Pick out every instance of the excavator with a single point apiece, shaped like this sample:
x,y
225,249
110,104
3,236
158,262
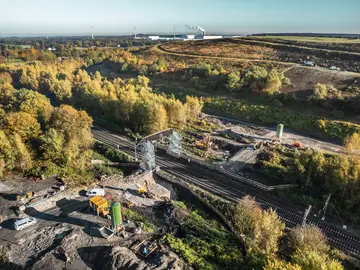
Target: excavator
x,y
204,144
24,195
144,191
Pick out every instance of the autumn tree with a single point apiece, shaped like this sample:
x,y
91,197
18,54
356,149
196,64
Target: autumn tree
x,y
176,113
277,264
261,229
34,104
7,155
23,155
23,124
310,249
75,128
352,143
194,106
30,77
52,143
308,237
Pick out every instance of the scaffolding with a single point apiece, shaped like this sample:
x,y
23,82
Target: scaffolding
x,y
174,147
147,154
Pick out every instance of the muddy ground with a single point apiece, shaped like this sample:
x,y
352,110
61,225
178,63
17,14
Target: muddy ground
x,y
66,235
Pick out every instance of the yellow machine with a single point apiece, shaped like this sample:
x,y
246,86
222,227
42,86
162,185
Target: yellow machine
x,y
100,205
144,190
22,195
205,144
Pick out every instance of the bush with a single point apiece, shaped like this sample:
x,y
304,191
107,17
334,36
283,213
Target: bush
x,y
260,79
286,81
276,103
111,153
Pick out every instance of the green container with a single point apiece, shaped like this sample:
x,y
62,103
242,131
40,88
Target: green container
x,y
116,214
279,131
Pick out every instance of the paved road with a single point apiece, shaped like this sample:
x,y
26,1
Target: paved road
x,y
290,212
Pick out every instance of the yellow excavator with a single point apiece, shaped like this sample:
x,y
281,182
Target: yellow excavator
x,y
24,195
144,191
204,144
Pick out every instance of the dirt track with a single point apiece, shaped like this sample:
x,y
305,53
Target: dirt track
x,y
159,49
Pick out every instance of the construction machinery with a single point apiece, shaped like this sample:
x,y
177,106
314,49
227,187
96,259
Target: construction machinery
x,y
24,195
100,205
144,191
116,222
297,144
204,144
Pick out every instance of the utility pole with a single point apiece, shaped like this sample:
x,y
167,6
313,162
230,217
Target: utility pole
x,y
326,206
307,211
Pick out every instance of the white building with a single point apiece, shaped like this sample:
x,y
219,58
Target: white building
x,y
154,37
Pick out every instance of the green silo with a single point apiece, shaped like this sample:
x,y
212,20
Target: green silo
x,y
279,131
116,215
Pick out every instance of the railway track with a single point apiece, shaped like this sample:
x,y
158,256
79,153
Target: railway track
x,y
232,190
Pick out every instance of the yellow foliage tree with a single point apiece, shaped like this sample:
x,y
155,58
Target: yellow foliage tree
x,y
352,143
23,124
261,229
276,264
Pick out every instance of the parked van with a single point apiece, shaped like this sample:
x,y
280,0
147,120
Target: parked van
x,y
95,192
24,223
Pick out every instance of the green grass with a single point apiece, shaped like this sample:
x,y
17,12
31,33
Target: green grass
x,y
12,61
312,39
135,216
205,243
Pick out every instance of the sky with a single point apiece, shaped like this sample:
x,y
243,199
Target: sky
x,y
74,17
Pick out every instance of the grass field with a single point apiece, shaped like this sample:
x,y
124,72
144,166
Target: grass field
x,y
312,39
10,61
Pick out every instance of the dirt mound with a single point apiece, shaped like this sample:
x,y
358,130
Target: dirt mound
x,y
124,258
303,79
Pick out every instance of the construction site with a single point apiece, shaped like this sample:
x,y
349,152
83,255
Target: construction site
x,y
123,227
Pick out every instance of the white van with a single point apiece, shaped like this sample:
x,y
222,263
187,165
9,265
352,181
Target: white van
x,y
95,192
24,223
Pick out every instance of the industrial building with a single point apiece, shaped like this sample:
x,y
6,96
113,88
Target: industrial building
x,y
200,35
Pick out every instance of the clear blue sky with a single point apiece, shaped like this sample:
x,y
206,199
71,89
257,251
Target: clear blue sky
x,y
119,16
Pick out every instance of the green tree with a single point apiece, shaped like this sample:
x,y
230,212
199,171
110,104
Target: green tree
x,y
52,144
233,81
312,260
320,91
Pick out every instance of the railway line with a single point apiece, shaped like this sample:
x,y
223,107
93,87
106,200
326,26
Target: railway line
x,y
218,184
